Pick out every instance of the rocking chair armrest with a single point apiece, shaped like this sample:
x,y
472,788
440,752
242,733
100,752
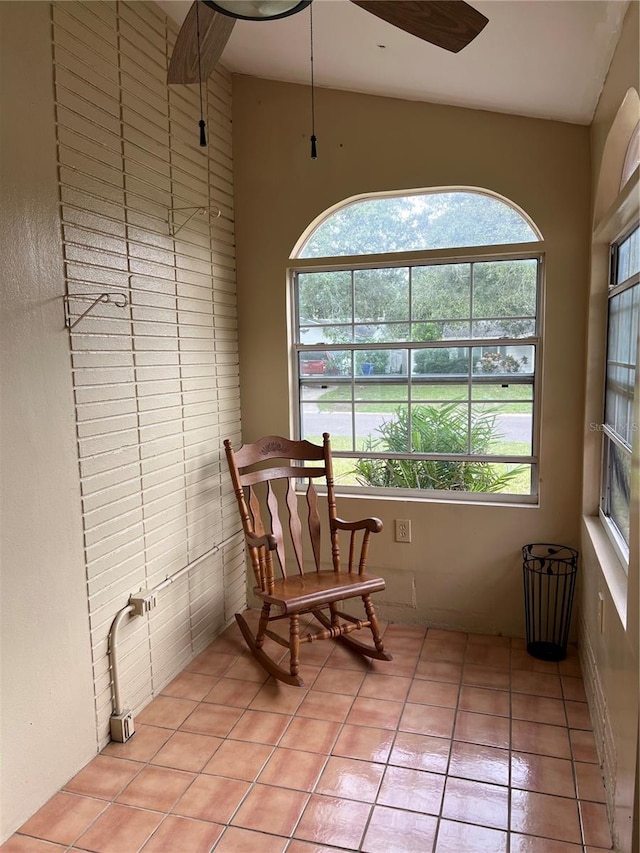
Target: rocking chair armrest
x,y
267,541
373,525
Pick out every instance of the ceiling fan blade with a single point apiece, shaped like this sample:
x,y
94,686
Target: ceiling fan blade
x,y
215,30
450,24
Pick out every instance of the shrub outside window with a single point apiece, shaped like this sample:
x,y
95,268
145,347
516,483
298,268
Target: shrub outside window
x,y
422,369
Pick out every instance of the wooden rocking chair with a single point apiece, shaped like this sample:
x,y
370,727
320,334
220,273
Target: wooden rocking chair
x,y
268,506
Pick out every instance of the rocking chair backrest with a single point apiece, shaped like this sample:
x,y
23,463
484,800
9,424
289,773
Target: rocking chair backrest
x,y
269,508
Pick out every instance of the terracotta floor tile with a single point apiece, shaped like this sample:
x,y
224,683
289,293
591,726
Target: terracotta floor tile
x,y
453,637
145,743
385,686
413,790
595,824
167,712
212,798
544,815
542,773
260,726
484,700
538,709
24,844
183,833
156,788
64,818
583,746
247,668
104,777
229,643
325,706
531,844
536,684
404,646
239,760
420,752
427,720
307,847
476,802
573,688
187,751
486,676
343,658
212,720
436,670
236,840
346,682
578,715
521,659
269,809
234,692
379,713
442,650
485,655
454,837
278,697
311,735
190,685
401,665
120,829
479,763
434,693
329,820
396,831
293,768
496,640
589,782
350,779
570,666
397,629
540,738
364,742
212,662
483,729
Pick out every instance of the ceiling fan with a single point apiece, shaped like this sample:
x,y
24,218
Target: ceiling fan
x,y
449,24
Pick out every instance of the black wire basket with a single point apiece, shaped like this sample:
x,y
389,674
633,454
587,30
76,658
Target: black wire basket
x,y
549,585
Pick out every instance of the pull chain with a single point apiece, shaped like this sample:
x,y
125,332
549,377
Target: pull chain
x,y
203,136
314,149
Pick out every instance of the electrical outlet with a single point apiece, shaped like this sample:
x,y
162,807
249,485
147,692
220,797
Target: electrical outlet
x,y
122,727
403,530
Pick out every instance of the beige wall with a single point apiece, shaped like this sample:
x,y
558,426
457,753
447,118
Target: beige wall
x,y
48,728
111,434
463,567
610,656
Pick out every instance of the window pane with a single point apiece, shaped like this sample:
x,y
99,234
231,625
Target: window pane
x,y
622,344
440,331
381,362
441,292
500,393
426,390
619,488
374,430
503,361
326,334
382,396
381,295
332,418
504,429
379,332
628,257
312,363
505,289
507,328
436,220
440,361
324,297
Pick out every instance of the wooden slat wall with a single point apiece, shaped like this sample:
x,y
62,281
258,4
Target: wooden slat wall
x,y
156,383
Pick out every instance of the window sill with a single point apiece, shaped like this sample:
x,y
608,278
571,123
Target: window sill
x,y
610,565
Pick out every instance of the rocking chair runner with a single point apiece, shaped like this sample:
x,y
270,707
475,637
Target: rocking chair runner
x,y
262,498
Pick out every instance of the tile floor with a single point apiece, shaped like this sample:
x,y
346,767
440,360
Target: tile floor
x,y
462,743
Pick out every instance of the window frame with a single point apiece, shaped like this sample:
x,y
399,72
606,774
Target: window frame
x,y
610,436
533,250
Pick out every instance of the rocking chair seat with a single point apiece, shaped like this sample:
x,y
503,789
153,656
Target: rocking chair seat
x,y
300,593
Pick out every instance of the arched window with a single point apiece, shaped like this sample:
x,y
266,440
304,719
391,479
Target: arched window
x,y
419,353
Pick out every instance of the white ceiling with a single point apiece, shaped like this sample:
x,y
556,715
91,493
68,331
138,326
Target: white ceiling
x,y
541,58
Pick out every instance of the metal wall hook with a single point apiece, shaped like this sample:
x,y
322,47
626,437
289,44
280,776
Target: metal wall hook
x,y
173,230
117,299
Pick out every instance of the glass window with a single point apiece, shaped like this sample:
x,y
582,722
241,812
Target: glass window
x,y
423,374
425,220
619,427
